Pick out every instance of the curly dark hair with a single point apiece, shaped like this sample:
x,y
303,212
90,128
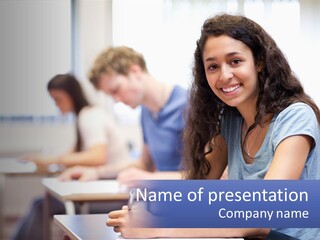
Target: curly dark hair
x,y
278,88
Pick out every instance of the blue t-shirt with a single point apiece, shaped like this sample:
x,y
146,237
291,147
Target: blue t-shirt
x,y
163,133
297,119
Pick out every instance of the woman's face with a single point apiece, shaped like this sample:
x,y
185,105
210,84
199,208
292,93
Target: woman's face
x,y
62,100
231,71
126,89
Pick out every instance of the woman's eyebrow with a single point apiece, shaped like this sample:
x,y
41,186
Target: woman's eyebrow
x,y
208,59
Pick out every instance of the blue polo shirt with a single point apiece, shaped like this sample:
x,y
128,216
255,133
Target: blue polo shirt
x,y
163,133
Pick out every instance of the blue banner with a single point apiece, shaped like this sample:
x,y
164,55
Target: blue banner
x,y
232,203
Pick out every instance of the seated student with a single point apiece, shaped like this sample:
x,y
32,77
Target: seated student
x,y
98,143
121,72
247,111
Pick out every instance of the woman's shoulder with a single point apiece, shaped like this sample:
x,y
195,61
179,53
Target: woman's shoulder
x,y
298,105
297,116
298,109
94,113
92,110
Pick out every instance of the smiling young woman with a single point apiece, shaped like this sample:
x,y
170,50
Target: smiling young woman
x,y
248,112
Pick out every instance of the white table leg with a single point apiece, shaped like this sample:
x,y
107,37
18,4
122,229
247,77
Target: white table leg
x,y
70,208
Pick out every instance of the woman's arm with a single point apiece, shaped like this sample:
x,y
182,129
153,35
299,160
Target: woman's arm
x,y
96,155
290,158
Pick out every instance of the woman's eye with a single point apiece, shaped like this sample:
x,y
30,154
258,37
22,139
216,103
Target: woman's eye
x,y
235,61
212,67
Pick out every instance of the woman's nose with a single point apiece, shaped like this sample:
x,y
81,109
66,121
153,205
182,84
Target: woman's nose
x,y
226,73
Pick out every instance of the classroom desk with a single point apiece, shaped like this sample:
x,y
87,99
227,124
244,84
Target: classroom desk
x,y
93,226
12,166
85,226
72,192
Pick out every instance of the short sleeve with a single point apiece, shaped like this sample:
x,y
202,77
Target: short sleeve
x,y
93,127
297,119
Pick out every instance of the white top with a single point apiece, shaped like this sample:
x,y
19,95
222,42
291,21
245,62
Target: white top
x,y
96,128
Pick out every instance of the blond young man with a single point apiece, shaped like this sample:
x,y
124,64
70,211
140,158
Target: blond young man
x,y
122,73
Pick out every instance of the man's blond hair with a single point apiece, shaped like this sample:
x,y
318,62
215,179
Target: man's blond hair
x,y
115,60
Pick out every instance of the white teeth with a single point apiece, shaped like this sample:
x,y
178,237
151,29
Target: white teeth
x,y
230,89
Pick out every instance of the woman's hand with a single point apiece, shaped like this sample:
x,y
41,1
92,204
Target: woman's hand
x,y
40,160
132,223
80,173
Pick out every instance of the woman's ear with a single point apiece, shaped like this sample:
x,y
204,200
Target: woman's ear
x,y
259,67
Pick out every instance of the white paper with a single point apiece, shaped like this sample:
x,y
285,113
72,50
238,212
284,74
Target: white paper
x,y
14,165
